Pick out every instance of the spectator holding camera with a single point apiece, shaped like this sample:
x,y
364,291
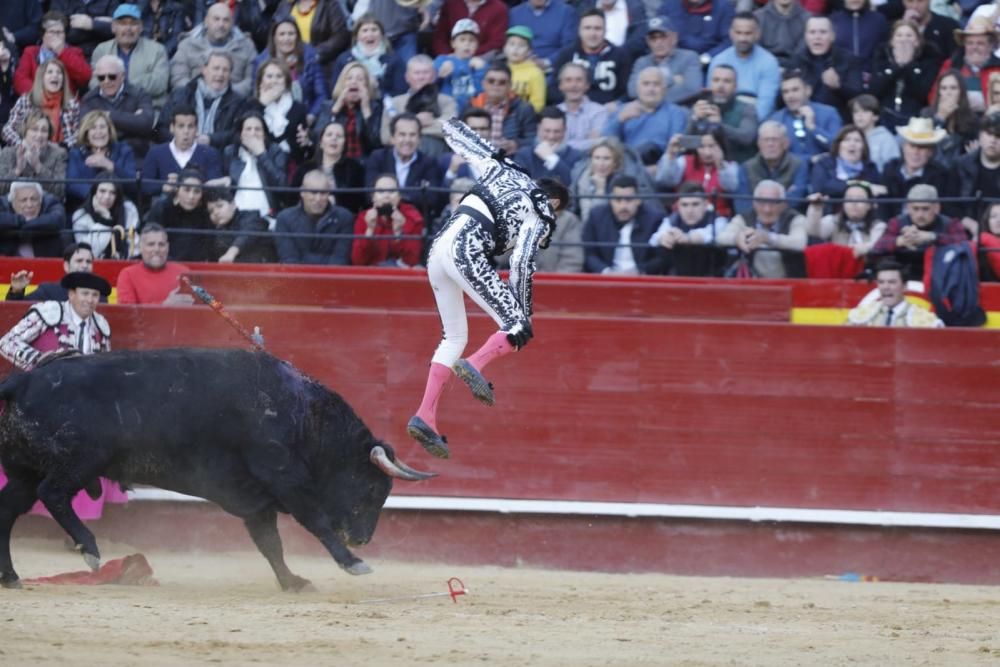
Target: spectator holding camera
x,y
388,216
718,107
704,163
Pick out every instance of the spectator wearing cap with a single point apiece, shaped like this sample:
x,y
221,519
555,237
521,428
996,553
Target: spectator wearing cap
x,y
527,78
647,122
703,25
460,73
977,174
55,326
974,60
916,165
489,15
907,236
833,74
553,24
811,125
782,24
757,71
130,108
681,66
625,23
609,65
146,61
54,28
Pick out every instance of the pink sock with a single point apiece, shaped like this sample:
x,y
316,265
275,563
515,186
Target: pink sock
x,y
437,378
495,346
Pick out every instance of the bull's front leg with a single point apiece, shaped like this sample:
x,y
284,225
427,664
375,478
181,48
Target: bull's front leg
x,y
16,498
263,529
57,496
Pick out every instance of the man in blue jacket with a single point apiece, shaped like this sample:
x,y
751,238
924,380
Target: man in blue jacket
x,y
811,126
628,222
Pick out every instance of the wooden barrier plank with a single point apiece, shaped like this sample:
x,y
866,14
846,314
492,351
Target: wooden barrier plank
x,y
653,410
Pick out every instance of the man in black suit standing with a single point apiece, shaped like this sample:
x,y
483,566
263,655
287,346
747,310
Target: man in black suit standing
x,y
413,169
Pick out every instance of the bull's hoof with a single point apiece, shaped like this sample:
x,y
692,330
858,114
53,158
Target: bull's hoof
x,y
360,567
436,445
481,389
92,561
298,585
10,581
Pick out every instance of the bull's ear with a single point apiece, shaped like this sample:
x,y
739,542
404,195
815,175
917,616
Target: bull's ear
x,y
396,468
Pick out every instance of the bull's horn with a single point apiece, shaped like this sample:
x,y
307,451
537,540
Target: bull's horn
x,y
396,468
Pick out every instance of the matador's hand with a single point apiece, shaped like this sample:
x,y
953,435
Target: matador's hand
x,y
520,334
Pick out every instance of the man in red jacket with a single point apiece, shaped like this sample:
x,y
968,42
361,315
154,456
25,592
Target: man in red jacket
x,y
54,27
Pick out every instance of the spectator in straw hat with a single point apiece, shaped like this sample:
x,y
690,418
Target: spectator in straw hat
x,y
919,139
907,236
974,59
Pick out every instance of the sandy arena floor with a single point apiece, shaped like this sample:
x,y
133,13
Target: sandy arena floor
x,y
226,609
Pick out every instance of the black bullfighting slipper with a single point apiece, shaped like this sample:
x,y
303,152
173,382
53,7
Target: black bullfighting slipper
x,y
436,445
481,389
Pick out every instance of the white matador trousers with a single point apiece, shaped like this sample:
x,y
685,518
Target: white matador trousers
x,y
459,264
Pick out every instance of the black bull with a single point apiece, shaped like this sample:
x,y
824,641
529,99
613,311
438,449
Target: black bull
x,y
244,430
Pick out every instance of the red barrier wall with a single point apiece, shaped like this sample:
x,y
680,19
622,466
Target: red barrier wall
x,y
627,410
407,290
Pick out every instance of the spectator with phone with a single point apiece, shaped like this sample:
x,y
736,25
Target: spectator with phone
x,y
381,225
701,159
718,107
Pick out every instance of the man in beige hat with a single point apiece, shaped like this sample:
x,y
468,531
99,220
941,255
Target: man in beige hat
x,y
916,165
974,59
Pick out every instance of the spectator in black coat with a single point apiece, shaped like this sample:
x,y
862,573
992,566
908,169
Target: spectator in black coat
x,y
917,164
184,214
31,219
130,108
833,73
315,214
625,216
246,238
419,170
550,157
216,105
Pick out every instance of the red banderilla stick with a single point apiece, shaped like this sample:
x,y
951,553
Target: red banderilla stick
x,y
255,338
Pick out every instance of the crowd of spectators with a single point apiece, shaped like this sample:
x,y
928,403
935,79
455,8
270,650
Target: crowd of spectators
x,y
706,137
